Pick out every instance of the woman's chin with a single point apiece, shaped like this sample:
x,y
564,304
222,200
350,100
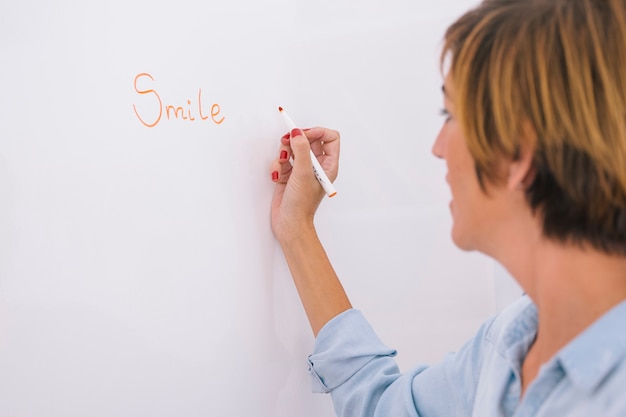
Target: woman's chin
x,y
460,239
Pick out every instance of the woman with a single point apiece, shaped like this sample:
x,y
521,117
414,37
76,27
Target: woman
x,y
535,146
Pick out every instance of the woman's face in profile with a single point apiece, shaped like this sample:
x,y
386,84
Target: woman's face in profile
x,y
474,213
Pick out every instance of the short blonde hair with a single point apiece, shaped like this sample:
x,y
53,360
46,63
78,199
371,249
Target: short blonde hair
x,y
558,66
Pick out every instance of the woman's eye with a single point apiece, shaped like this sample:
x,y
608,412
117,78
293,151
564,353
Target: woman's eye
x,y
445,113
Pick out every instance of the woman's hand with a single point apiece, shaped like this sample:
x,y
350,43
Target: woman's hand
x,y
298,193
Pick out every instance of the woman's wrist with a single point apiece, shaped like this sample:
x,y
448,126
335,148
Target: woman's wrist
x,y
295,232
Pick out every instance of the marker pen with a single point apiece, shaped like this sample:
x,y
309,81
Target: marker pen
x,y
317,168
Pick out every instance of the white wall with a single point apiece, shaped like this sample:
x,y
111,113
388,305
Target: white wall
x,y
138,272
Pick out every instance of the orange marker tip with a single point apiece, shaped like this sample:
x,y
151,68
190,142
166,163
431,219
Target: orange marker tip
x,y
280,108
333,194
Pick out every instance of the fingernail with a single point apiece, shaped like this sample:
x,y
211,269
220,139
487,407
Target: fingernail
x,y
283,154
275,176
296,132
286,136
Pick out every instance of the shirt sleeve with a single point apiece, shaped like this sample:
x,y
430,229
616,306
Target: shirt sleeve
x,y
352,363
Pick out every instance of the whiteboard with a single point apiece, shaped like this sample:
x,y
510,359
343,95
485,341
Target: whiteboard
x,y
138,272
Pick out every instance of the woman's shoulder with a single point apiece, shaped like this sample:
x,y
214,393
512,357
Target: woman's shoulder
x,y
516,321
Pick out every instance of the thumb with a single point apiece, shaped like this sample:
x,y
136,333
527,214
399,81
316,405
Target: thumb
x,y
301,151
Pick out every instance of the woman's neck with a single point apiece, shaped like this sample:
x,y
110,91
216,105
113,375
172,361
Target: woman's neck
x,y
571,286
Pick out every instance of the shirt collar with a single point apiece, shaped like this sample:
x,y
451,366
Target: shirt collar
x,y
591,356
519,335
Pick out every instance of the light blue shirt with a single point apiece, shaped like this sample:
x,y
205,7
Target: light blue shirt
x,y
585,378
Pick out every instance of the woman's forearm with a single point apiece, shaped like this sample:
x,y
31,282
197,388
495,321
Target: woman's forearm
x,y
320,290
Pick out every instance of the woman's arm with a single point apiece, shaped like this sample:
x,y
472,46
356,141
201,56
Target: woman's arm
x,y
320,290
296,198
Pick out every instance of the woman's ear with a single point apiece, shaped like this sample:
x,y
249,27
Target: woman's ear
x,y
521,170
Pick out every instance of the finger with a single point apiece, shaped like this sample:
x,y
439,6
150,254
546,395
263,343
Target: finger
x,y
284,153
321,134
324,141
318,148
300,149
325,146
275,169
317,137
284,140
280,171
281,168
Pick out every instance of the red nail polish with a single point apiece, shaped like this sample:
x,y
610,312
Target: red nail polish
x,y
275,176
283,154
285,136
296,132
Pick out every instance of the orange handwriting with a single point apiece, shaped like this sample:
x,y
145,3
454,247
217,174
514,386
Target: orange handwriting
x,y
175,112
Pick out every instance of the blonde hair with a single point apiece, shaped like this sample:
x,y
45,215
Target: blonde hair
x,y
558,67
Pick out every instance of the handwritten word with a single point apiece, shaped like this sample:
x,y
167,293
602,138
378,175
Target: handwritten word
x,y
181,113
